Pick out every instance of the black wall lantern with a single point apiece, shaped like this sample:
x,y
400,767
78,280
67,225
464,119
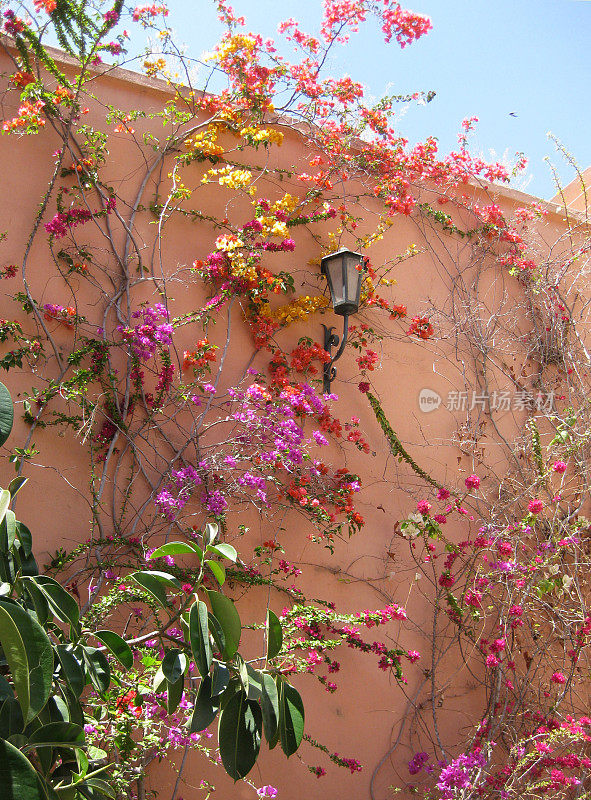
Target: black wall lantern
x,y
344,274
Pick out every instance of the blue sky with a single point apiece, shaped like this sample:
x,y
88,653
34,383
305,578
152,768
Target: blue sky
x,y
531,58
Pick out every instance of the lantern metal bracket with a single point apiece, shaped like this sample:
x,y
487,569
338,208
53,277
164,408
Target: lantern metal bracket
x,y
332,340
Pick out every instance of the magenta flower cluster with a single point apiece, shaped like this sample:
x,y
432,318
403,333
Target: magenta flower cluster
x,y
154,331
462,773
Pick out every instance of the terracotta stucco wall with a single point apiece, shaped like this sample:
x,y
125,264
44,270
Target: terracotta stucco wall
x,y
363,718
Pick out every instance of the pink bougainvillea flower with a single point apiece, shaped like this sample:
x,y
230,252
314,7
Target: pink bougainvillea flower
x,y
535,506
472,482
559,466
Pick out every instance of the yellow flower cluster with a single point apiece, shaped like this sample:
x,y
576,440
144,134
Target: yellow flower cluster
x,y
230,177
378,234
273,227
241,269
205,142
299,309
228,242
287,203
262,135
368,290
232,44
152,68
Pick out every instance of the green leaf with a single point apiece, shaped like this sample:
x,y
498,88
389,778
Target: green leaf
x,y
61,603
4,500
174,665
274,635
158,681
291,718
118,646
270,707
16,484
6,414
30,658
239,735
11,718
211,531
98,668
18,779
217,632
225,612
57,734
220,678
25,538
9,528
174,694
206,707
154,583
72,669
38,601
218,571
255,682
104,787
199,637
177,549
224,551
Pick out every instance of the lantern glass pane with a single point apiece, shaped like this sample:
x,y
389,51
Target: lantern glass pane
x,y
353,278
336,282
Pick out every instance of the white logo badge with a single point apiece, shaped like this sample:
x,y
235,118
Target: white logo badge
x,y
429,400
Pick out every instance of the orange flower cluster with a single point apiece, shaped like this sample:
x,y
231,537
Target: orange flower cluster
x,y
199,359
421,327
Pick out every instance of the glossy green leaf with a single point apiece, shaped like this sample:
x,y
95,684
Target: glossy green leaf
x,y
206,707
270,707
177,549
217,632
16,484
291,718
11,717
243,673
57,734
29,655
199,637
9,528
239,735
174,665
210,534
97,667
118,646
218,571
255,682
158,682
154,583
4,503
225,612
274,635
25,538
18,779
174,694
102,786
220,678
61,603
38,601
224,551
72,669
6,414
